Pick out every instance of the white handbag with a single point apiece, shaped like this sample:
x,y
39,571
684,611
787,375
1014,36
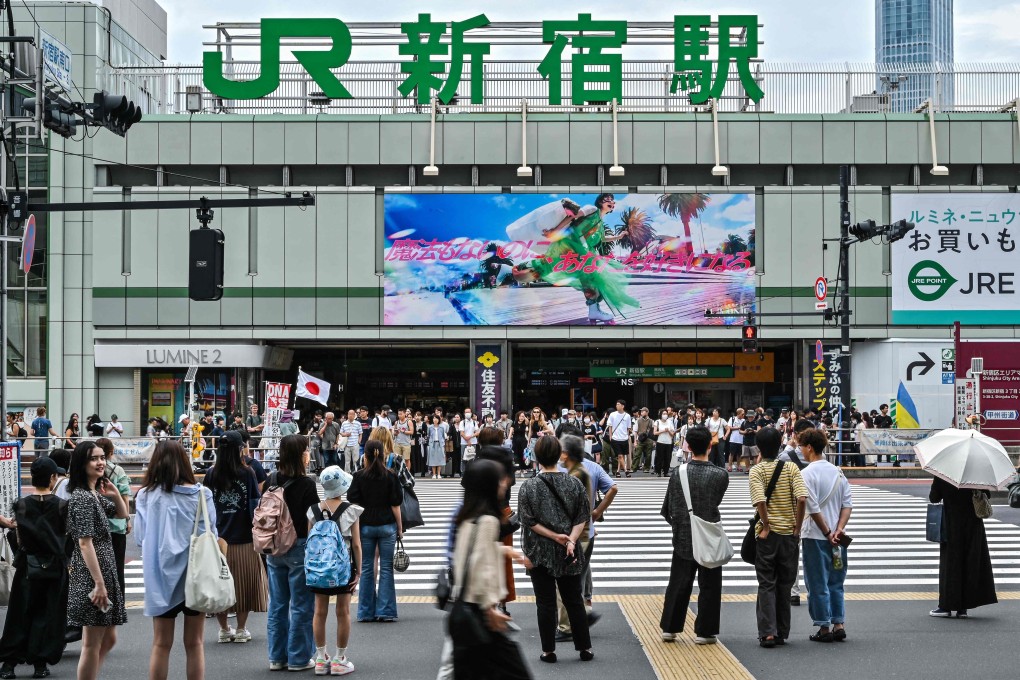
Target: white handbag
x,y
208,586
712,547
6,572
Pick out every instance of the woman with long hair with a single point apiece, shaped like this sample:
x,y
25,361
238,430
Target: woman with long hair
x,y
119,528
37,611
291,604
554,510
166,507
377,490
479,560
94,425
72,432
537,427
519,439
436,446
235,491
95,601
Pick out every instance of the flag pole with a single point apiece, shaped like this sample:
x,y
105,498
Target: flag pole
x,y
296,383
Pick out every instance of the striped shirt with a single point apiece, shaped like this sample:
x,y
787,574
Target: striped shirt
x,y
782,506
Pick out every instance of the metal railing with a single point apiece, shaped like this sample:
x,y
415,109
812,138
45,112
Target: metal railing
x,y
789,88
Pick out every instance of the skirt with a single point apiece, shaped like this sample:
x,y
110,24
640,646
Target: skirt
x,y
250,585
437,455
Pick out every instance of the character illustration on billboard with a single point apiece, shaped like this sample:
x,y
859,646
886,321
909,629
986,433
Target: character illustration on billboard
x,y
576,238
533,259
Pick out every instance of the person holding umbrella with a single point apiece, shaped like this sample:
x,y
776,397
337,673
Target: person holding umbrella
x,y
967,465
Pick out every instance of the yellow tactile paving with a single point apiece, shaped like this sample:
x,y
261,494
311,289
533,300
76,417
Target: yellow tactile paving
x,y
682,659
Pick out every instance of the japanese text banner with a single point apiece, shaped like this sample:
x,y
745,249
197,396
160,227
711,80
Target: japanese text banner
x,y
960,261
568,259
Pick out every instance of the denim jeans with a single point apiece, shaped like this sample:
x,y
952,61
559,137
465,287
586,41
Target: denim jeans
x,y
381,605
825,584
291,606
329,457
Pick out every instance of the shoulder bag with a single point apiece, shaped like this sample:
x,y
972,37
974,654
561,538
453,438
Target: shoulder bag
x,y
711,546
933,529
749,546
982,508
464,624
208,586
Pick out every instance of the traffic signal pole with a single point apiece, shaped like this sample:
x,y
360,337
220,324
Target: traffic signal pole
x,y
843,283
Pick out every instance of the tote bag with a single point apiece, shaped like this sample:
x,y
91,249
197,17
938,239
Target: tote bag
x,y
209,586
933,523
712,548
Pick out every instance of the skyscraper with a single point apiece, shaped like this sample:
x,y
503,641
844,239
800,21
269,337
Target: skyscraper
x,y
911,34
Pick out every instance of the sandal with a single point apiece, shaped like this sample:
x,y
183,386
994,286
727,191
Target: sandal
x,y
767,642
628,473
839,634
617,474
821,637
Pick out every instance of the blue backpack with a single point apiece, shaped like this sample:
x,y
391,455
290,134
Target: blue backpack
x,y
327,559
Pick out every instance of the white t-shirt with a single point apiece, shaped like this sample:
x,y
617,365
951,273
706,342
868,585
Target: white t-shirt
x,y
829,492
346,520
664,436
382,421
716,426
736,437
469,432
619,425
114,430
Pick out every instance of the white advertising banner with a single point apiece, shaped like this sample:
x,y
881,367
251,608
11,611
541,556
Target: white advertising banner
x,y
891,442
961,260
133,450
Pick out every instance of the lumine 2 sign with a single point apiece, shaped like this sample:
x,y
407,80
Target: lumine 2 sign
x,y
596,63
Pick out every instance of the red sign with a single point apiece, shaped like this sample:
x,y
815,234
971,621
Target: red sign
x,y
999,385
821,288
28,244
277,395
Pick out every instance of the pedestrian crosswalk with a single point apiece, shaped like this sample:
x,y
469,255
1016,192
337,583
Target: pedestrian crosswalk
x,y
634,545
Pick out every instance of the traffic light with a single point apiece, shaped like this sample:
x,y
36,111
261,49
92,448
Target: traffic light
x,y
114,112
55,116
866,230
898,230
205,264
749,338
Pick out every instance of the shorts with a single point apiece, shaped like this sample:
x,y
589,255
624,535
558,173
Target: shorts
x,y
179,609
733,449
403,450
749,452
620,448
340,590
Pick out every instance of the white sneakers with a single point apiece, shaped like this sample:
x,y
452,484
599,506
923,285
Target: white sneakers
x,y
321,665
337,666
242,635
699,640
668,637
228,634
305,667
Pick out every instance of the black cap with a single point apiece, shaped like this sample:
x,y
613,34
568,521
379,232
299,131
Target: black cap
x,y
46,466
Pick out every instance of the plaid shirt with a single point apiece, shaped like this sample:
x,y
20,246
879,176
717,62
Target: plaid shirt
x,y
708,486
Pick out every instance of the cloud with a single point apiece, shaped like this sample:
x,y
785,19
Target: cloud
x,y
504,201
740,209
401,201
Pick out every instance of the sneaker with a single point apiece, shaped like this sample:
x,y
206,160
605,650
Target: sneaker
x,y
341,666
962,614
305,667
242,635
277,665
668,637
562,636
227,634
706,640
940,613
322,665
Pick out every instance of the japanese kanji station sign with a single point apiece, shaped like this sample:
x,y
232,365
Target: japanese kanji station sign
x,y
435,65
961,260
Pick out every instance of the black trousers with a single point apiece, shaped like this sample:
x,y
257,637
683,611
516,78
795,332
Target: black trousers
x,y
678,597
663,456
776,565
499,660
119,552
545,585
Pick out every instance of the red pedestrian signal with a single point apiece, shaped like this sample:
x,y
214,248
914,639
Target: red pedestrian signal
x,y
749,339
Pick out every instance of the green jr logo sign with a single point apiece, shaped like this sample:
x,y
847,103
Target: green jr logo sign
x,y
437,65
928,281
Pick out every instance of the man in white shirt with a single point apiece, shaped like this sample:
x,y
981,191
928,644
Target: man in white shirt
x,y
619,425
829,505
382,419
350,433
114,429
468,430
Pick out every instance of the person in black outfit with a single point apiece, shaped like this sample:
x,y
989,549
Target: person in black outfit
x,y
965,566
37,612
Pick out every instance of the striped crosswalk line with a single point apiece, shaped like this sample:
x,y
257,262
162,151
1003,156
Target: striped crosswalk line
x,y
634,545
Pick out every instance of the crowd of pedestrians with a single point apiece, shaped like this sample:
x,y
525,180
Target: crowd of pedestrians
x,y
297,555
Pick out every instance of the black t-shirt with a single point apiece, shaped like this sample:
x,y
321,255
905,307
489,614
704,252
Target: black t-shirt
x,y
377,495
234,506
260,472
883,422
764,421
593,430
750,427
299,496
366,430
95,430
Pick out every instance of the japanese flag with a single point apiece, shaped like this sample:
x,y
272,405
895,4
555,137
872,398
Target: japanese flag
x,y
312,388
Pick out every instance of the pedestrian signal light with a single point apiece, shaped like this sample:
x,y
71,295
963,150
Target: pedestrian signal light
x,y
749,338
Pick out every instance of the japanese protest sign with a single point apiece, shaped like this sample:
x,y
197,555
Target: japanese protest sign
x,y
537,259
960,261
277,400
488,380
439,52
10,477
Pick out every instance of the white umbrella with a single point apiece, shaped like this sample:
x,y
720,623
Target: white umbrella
x,y
966,459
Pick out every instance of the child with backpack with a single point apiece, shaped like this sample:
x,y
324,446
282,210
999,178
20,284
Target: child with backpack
x,y
332,566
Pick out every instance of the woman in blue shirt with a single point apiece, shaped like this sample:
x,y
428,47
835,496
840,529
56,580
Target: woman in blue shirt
x,y
165,509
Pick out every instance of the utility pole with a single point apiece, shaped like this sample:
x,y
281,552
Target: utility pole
x,y
843,283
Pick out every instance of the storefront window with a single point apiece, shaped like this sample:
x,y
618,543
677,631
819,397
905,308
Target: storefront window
x,y
165,394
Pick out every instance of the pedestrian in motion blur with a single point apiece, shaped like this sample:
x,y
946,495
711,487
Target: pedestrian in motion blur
x,y
167,505
965,567
708,484
37,611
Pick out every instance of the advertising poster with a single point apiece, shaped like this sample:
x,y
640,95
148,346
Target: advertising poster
x,y
10,477
488,380
960,262
998,386
568,259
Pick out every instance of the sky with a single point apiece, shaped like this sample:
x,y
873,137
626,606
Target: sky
x,y
794,30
